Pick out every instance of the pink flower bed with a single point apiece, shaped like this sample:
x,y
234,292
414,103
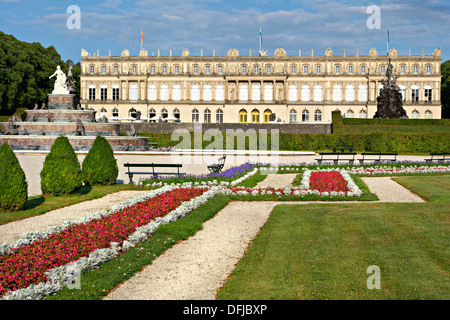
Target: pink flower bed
x,y
328,181
27,264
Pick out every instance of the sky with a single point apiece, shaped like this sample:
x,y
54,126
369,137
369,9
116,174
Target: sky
x,y
224,24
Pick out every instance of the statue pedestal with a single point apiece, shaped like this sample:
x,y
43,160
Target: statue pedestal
x,y
60,101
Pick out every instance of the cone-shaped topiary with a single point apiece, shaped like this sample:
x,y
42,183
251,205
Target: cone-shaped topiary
x,y
100,166
13,185
61,173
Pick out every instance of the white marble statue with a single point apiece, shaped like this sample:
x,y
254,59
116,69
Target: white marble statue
x,y
60,83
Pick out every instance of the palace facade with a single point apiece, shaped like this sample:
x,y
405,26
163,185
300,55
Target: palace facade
x,y
248,89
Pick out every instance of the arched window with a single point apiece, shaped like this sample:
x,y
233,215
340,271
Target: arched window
x,y
195,116
428,93
115,113
267,114
428,114
115,92
255,116
350,93
103,92
103,112
132,113
415,93
195,92
92,92
243,92
318,93
219,116
379,89
243,116
363,114
207,92
292,116
350,114
403,91
305,115
152,92
176,113
207,116
176,92
362,93
317,115
292,93
415,114
219,93
305,93
337,93
133,92
256,92
152,113
164,113
164,92
268,92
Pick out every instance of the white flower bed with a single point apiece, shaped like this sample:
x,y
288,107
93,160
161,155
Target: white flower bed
x,y
59,277
384,170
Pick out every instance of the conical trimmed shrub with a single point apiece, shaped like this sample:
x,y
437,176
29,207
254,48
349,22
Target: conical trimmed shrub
x,y
100,166
61,173
13,185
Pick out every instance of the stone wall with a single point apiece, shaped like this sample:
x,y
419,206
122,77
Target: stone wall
x,y
282,127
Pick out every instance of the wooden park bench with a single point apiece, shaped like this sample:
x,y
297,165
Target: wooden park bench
x,y
378,157
152,172
336,157
439,157
344,147
217,167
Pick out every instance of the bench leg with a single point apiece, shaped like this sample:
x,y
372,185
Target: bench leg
x,y
131,178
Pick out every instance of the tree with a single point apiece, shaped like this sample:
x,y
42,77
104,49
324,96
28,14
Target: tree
x,y
100,166
445,89
61,173
13,185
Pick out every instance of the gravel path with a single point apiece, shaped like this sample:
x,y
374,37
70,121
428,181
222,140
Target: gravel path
x,y
388,190
278,180
14,230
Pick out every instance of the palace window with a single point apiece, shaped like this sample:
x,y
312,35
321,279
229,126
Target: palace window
x,y
338,69
219,116
219,93
195,69
415,93
292,116
207,116
256,92
305,93
176,92
133,69
402,69
292,93
243,92
152,92
428,114
337,93
103,92
116,69
176,114
268,93
428,93
91,69
103,112
103,69
363,114
415,69
350,69
317,115
115,113
382,69
318,69
267,114
133,92
176,69
350,93
256,69
363,69
91,92
415,114
243,116
132,113
362,93
164,69
195,116
268,69
305,115
244,69
164,113
350,114
195,92
403,91
305,69
318,93
115,92
151,113
164,92
255,116
293,69
152,69
208,69
428,69
219,69
207,92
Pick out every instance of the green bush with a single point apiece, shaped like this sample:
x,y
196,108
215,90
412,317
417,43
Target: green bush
x,y
61,173
13,185
100,166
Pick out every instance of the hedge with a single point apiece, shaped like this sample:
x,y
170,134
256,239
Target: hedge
x,y
99,166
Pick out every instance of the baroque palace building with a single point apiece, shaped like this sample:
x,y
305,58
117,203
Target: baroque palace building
x,y
248,89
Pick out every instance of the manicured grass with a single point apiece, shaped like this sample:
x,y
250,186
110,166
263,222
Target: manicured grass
x,y
322,251
38,205
97,283
253,180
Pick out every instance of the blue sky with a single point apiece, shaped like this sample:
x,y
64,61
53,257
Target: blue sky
x,y
224,24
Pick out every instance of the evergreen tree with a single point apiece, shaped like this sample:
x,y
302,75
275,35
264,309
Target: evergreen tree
x,y
100,166
445,89
13,185
61,173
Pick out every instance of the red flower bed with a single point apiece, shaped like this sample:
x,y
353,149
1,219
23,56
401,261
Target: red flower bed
x,y
27,264
327,181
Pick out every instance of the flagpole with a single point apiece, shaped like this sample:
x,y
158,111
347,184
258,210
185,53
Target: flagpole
x,y
387,44
142,38
260,41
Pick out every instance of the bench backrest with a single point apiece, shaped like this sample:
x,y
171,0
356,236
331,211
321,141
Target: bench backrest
x,y
222,160
154,165
337,153
379,153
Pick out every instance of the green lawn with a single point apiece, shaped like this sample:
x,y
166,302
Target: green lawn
x,y
322,251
